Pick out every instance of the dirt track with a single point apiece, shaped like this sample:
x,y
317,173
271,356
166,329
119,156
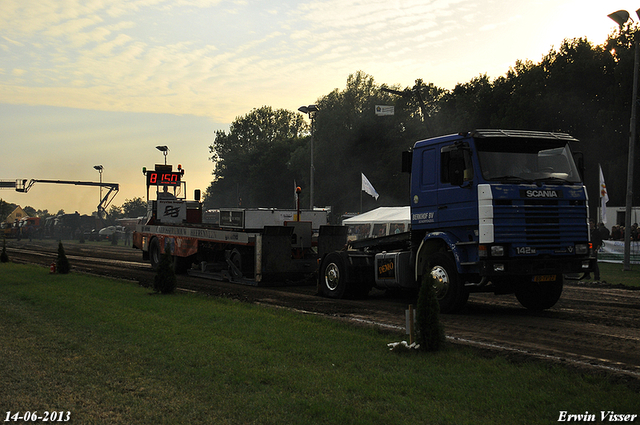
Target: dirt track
x,y
591,327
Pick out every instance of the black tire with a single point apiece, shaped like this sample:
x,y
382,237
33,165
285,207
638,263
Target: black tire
x,y
154,253
538,296
332,280
450,291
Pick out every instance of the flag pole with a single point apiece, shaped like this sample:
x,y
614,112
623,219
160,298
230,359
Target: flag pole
x,y
598,209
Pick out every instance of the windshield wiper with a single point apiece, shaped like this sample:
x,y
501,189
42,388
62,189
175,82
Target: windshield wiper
x,y
554,180
511,178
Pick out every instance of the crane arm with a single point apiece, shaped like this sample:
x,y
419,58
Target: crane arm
x,y
24,186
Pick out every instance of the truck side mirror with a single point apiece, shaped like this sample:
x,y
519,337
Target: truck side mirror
x,y
196,195
407,159
579,159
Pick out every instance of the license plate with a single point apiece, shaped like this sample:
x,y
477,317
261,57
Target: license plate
x,y
544,278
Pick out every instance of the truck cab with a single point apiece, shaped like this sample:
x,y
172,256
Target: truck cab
x,y
507,208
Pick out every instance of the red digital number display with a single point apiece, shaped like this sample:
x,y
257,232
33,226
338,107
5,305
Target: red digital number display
x,y
163,179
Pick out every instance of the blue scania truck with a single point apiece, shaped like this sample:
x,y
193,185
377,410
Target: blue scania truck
x,y
502,211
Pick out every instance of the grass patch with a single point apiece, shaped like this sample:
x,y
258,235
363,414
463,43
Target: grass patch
x,y
612,273
109,352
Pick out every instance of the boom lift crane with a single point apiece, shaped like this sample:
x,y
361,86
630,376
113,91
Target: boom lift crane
x,y
24,185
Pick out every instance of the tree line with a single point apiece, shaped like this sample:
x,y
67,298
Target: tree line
x,y
130,208
579,88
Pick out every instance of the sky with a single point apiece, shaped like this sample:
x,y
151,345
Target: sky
x,y
103,82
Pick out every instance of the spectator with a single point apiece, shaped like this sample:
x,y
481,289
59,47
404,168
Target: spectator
x,y
604,232
616,233
127,237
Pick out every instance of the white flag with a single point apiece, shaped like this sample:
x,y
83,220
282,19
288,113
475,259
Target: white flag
x,y
604,198
367,187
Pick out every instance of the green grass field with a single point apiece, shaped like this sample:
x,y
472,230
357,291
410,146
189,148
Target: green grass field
x,y
614,274
110,353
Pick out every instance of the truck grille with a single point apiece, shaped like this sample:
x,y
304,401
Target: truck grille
x,y
545,223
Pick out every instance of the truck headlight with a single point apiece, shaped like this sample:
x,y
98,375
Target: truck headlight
x,y
497,251
582,249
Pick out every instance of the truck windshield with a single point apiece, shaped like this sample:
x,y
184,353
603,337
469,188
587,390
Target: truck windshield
x,y
526,160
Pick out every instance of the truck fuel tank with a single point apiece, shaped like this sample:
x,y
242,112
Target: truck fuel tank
x,y
393,269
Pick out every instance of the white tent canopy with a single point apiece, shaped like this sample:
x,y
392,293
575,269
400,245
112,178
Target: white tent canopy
x,y
382,215
382,221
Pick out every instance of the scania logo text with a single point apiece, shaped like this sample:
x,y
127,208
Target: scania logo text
x,y
541,194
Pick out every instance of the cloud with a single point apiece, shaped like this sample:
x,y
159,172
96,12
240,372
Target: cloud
x,y
14,42
209,57
71,27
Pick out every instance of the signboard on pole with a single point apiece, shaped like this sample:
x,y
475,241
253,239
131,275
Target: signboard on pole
x,y
382,110
172,211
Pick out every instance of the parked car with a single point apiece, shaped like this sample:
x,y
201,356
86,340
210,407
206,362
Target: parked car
x,y
91,235
108,232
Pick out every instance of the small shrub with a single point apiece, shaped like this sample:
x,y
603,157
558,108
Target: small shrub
x,y
430,332
4,257
165,279
62,263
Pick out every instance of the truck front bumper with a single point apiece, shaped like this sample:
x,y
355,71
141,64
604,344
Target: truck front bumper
x,y
531,266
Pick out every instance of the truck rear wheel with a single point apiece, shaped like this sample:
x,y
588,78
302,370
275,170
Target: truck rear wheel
x,y
333,276
450,292
538,296
180,264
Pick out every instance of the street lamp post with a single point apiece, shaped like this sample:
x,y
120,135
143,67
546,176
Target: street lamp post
x,y
99,168
621,17
165,151
311,111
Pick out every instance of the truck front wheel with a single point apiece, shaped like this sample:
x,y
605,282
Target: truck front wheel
x,y
538,296
450,292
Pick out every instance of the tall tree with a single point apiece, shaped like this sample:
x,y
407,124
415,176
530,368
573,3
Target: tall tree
x,y
251,160
31,212
115,212
135,207
351,139
6,208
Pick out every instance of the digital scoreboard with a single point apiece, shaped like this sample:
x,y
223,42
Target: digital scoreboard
x,y
158,178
